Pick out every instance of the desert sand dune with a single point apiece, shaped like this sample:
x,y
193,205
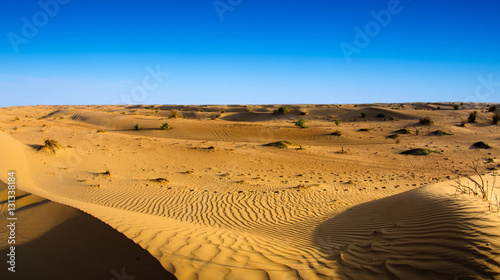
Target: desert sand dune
x,y
209,200
421,234
60,242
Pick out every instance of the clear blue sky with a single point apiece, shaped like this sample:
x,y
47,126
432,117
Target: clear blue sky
x,y
248,51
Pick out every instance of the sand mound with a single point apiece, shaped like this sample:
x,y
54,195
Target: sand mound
x,y
58,242
421,234
402,131
480,145
439,133
419,152
282,144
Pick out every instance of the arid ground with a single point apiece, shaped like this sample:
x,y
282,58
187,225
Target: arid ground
x,y
242,192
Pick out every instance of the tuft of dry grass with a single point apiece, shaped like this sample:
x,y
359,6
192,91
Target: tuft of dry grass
x,y
282,110
425,121
175,115
480,188
50,145
282,144
301,123
160,180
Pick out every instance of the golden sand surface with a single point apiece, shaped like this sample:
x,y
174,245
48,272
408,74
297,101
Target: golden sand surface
x,y
218,196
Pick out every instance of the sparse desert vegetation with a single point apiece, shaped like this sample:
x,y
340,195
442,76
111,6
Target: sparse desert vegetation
x,y
160,180
440,133
337,133
481,145
165,126
174,114
425,121
496,118
472,117
301,123
402,131
50,145
419,152
481,187
282,110
282,144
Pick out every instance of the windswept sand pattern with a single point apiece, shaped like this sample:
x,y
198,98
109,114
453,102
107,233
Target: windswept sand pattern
x,y
286,216
430,236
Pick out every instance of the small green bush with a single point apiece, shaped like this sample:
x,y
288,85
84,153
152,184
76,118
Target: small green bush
x,y
363,114
456,107
282,110
165,126
496,118
337,122
492,108
472,117
137,126
381,115
301,123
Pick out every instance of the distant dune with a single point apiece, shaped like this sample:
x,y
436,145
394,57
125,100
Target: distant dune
x,y
207,198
